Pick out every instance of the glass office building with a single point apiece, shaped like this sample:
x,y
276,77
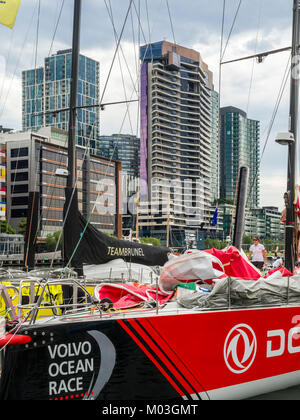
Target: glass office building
x,y
47,89
122,147
33,161
240,145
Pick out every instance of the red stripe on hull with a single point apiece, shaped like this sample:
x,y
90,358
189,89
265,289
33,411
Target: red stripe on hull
x,y
159,367
172,355
159,354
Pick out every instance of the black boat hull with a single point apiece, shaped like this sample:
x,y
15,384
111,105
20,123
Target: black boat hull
x,y
81,361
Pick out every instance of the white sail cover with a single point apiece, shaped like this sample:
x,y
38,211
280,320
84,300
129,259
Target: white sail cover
x,y
120,270
273,290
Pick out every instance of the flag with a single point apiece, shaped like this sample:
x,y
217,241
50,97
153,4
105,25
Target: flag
x,y
214,221
8,12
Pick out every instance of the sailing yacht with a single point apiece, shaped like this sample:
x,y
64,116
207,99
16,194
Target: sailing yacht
x,y
160,348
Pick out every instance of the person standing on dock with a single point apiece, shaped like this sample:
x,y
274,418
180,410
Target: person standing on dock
x,y
257,254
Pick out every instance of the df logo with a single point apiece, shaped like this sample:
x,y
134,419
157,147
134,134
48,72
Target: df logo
x,y
240,348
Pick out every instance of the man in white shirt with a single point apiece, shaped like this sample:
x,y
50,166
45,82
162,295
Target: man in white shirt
x,y
257,254
278,263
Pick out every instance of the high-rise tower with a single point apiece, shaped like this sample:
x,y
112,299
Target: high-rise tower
x,y
176,132
47,89
240,145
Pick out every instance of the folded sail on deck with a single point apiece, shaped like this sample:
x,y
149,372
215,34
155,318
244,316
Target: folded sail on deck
x,y
84,244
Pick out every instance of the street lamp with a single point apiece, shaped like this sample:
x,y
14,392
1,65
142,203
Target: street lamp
x,y
285,139
288,139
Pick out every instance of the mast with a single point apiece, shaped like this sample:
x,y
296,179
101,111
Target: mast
x,y
241,207
168,222
137,214
71,204
290,254
73,95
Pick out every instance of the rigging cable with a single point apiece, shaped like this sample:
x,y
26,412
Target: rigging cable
x,y
255,51
252,77
61,157
134,87
60,163
36,175
220,86
17,64
17,164
7,59
110,13
221,50
89,219
170,18
106,83
56,27
67,210
37,33
116,51
276,107
231,29
137,55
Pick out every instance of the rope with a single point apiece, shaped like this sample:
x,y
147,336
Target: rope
x,y
231,29
118,44
255,51
170,18
17,64
91,213
278,101
114,57
56,27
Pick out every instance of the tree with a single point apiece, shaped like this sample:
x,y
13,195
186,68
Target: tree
x,y
51,241
22,226
150,241
214,243
5,228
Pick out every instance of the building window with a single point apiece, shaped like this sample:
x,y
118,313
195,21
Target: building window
x,y
18,213
19,189
19,201
22,151
21,176
19,164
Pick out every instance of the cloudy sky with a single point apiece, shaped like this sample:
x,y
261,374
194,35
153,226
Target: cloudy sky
x,y
261,25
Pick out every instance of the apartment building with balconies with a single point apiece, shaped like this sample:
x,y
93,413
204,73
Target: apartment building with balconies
x,y
176,138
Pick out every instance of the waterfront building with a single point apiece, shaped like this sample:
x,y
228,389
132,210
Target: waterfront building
x,y
4,130
176,140
124,148
47,89
37,161
239,146
130,199
271,228
264,222
11,244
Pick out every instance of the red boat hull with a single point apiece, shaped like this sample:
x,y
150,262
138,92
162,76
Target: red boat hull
x,y
210,349
232,354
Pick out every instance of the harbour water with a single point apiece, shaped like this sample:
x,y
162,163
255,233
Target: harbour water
x,y
289,394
